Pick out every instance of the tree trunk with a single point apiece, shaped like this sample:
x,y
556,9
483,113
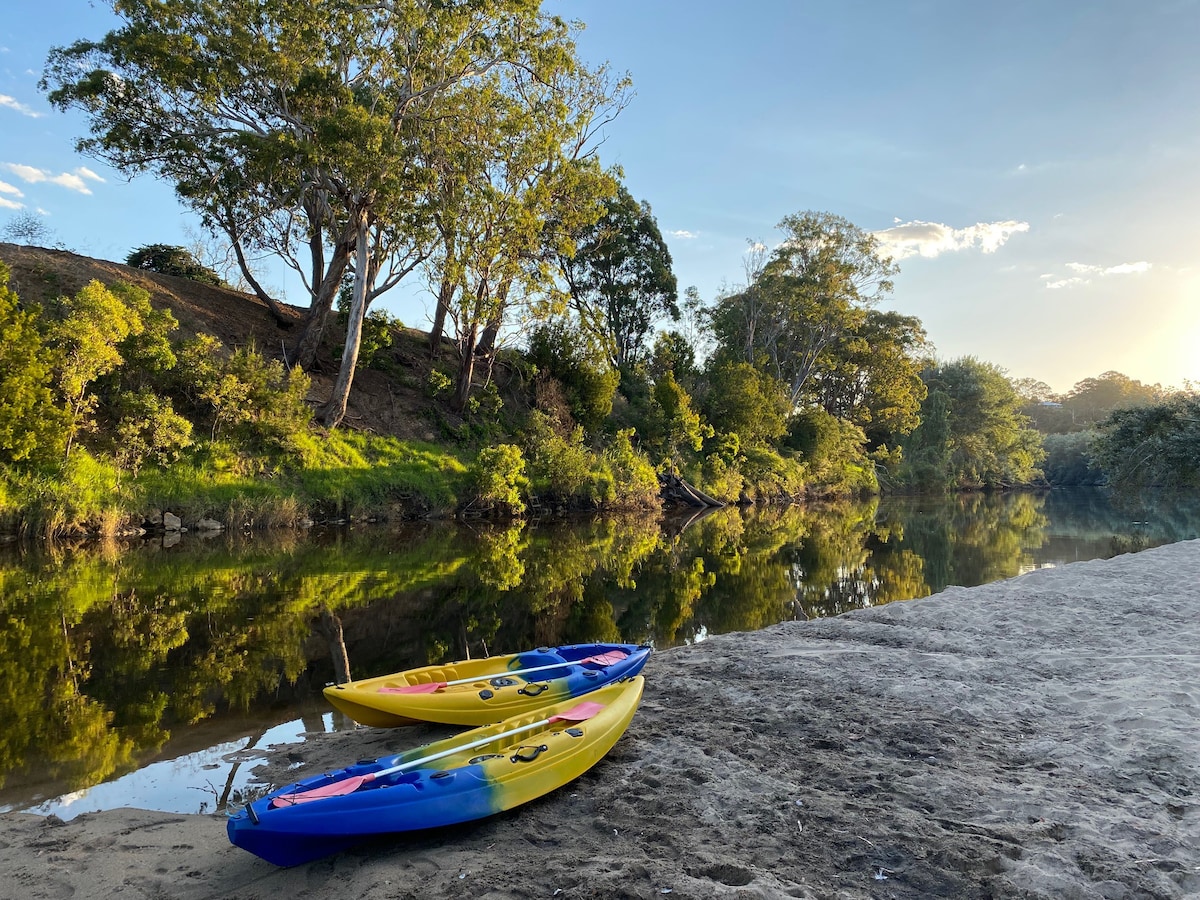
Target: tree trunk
x,y
334,410
466,369
273,305
305,353
487,342
445,296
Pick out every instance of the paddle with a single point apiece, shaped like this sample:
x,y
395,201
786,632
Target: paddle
x,y
577,713
600,659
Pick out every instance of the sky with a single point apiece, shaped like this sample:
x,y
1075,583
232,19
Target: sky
x,y
1033,167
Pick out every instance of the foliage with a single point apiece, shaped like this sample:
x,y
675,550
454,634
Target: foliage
x,y
256,399
634,480
148,430
770,476
973,434
833,449
33,427
672,429
575,361
498,478
620,276
675,354
871,376
87,331
1068,460
813,291
559,465
1093,399
166,259
379,330
740,399
1151,446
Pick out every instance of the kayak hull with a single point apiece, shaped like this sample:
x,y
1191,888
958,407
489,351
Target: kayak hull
x,y
478,773
493,687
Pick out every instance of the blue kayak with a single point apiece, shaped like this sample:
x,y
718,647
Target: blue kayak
x,y
474,774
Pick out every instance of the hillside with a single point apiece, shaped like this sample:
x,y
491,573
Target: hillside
x,y
394,403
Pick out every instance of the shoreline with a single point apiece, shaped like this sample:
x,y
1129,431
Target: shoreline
x,y
1035,737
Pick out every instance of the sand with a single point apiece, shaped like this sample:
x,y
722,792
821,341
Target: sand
x,y
1037,737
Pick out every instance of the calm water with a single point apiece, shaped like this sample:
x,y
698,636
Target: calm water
x,y
155,676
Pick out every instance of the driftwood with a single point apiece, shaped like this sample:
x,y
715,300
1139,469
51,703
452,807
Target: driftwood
x,y
675,489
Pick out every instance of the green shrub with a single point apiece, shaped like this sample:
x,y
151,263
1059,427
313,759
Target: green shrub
x,y
573,359
256,400
498,478
149,430
559,466
33,427
634,479
167,259
769,475
1068,459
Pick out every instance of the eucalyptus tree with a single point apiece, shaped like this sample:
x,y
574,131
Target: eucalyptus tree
x,y
972,432
871,376
295,124
514,174
814,288
620,276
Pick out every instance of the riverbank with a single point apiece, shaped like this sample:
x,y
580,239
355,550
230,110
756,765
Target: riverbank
x,y
1029,738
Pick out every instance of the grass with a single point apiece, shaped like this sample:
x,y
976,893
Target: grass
x,y
341,474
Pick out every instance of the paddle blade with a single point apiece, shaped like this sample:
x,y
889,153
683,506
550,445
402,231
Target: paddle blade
x,y
333,789
611,658
578,712
430,688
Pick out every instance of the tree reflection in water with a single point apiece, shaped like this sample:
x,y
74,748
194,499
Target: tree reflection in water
x,y
107,654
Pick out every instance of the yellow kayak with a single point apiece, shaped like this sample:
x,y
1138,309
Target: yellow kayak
x,y
483,691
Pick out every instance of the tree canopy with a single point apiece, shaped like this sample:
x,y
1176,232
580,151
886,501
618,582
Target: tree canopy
x,y
297,125
620,275
812,291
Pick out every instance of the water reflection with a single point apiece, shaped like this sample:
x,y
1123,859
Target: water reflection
x,y
113,658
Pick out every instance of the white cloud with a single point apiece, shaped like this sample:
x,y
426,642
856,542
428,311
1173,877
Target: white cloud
x,y
14,104
1084,272
69,180
5,203
1060,283
930,239
85,172
6,188
685,235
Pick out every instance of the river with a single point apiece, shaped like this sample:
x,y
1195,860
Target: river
x,y
156,674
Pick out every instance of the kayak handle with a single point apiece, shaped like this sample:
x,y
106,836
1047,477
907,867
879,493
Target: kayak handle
x,y
528,754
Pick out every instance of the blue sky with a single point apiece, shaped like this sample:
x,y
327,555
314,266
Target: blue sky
x,y
1033,166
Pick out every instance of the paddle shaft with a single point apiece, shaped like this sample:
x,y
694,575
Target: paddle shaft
x,y
482,742
576,713
560,665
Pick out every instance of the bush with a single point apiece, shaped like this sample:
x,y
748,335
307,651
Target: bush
x,y
832,448
256,400
559,466
587,378
1068,460
768,475
167,259
33,428
634,480
498,478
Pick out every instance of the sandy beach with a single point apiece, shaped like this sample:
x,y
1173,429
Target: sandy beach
x,y
1037,737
